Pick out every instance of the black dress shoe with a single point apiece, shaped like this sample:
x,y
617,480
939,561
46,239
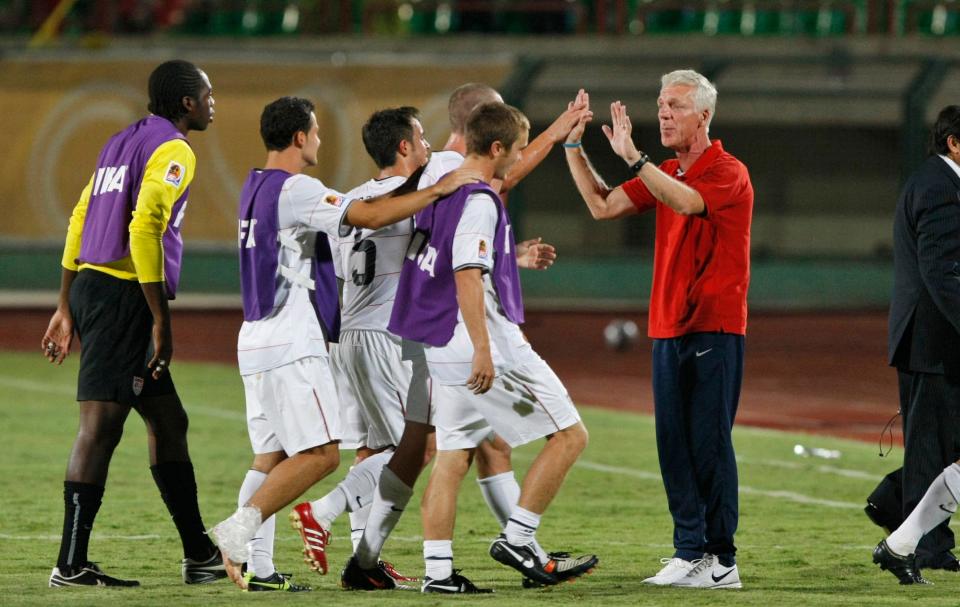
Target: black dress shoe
x,y
904,567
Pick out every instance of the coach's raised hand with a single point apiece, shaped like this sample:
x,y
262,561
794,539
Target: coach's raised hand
x,y
620,133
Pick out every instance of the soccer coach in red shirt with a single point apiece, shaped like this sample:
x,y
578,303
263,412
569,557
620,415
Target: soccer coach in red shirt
x,y
698,313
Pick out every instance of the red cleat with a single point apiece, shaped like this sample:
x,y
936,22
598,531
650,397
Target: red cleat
x,y
392,572
315,537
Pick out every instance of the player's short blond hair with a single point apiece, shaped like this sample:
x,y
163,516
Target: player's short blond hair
x,y
704,91
494,122
465,99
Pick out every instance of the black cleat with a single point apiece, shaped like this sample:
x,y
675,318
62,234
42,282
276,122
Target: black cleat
x,y
455,584
203,572
87,575
523,559
565,567
904,567
943,560
277,581
355,578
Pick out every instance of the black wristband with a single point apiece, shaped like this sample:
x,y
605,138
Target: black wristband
x,y
636,166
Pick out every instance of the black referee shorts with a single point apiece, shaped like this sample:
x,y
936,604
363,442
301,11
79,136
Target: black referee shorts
x,y
114,324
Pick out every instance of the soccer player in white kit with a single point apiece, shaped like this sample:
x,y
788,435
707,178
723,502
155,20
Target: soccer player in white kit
x,y
488,350
372,378
382,394
292,407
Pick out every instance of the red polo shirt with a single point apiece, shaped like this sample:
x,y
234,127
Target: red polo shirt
x,y
701,264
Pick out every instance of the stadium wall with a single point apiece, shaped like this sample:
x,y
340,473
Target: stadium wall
x,y
826,176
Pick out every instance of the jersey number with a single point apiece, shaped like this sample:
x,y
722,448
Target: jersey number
x,y
363,262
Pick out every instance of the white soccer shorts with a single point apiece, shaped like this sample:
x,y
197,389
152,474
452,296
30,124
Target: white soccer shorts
x,y
292,407
389,390
523,405
351,418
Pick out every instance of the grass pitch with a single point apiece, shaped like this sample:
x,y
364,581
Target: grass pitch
x,y
803,537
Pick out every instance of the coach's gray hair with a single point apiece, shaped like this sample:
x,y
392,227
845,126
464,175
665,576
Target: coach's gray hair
x,y
704,93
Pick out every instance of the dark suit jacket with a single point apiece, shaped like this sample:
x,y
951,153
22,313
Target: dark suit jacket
x,y
924,324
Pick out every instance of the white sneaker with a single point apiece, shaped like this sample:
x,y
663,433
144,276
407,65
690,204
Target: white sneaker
x,y
234,534
673,570
709,573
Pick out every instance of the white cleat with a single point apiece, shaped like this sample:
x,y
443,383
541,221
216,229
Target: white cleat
x,y
673,570
709,573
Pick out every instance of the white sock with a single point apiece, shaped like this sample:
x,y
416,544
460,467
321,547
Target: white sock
x,y
329,507
391,498
354,492
521,526
358,522
261,546
438,556
936,506
501,492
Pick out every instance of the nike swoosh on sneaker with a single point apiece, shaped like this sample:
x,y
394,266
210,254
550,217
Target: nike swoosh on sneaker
x,y
717,579
528,563
950,512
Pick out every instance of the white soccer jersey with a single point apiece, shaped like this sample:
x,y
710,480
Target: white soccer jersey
x,y
473,247
370,262
439,165
291,332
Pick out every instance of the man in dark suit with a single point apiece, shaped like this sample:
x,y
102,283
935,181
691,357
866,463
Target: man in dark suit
x,y
924,326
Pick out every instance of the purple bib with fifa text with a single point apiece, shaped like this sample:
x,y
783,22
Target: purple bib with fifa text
x,y
425,309
259,264
113,198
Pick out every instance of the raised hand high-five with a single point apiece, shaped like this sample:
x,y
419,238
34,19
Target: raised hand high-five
x,y
620,133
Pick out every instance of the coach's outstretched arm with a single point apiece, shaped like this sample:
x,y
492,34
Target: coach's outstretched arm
x,y
386,210
675,194
603,202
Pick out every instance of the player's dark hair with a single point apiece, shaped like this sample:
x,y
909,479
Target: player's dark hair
x,y
465,99
282,119
494,122
384,131
948,123
169,83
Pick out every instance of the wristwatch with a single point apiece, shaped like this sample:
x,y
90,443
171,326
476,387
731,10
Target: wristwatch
x,y
636,166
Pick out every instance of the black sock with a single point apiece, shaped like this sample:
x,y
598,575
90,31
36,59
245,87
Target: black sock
x,y
81,501
178,487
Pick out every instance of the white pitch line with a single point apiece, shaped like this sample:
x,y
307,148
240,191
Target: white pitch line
x,y
34,386
789,496
823,468
96,536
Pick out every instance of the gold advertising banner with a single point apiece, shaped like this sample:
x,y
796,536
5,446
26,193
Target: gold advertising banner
x,y
55,115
